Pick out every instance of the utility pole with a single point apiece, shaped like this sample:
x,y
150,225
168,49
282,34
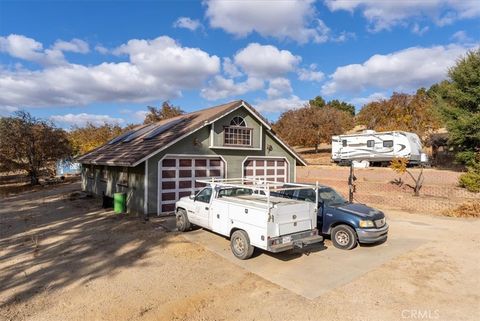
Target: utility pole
x,y
351,183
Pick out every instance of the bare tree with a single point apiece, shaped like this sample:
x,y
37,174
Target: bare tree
x,y
84,139
311,126
400,165
30,144
166,111
414,113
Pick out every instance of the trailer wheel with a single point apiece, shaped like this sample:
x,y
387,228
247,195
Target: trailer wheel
x,y
240,245
344,237
183,224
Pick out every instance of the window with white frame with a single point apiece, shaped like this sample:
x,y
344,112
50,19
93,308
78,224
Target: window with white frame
x,y
237,133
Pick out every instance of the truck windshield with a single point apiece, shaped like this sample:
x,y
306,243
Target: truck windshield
x,y
330,197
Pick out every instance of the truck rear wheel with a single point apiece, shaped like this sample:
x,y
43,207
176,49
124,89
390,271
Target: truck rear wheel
x,y
183,224
344,237
240,245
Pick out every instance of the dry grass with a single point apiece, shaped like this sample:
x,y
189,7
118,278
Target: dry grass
x,y
469,209
322,157
22,187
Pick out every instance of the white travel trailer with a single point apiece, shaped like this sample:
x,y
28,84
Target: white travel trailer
x,y
370,147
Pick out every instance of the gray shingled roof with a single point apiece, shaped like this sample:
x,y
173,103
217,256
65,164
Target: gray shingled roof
x,y
129,153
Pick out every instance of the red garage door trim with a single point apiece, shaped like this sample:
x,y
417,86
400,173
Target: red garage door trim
x,y
177,175
267,168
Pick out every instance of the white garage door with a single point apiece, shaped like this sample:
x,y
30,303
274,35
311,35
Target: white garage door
x,y
268,169
178,175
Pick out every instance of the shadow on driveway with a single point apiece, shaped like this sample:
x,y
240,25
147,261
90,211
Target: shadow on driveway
x,y
49,240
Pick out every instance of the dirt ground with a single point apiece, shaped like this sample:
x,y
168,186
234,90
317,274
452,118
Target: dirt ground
x,y
375,185
64,258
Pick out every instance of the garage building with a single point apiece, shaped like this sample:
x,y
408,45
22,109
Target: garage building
x,y
156,164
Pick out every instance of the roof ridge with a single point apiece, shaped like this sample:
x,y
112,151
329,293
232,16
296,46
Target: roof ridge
x,y
199,111
213,107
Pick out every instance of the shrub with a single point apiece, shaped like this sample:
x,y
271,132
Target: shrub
x,y
471,181
471,209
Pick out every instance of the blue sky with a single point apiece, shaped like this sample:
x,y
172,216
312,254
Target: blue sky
x,y
79,61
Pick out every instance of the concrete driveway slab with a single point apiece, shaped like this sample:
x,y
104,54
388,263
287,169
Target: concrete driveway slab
x,y
324,268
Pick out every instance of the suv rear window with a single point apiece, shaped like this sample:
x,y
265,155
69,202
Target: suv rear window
x,y
288,193
307,195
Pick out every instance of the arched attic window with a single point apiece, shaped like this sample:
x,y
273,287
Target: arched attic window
x,y
237,134
238,121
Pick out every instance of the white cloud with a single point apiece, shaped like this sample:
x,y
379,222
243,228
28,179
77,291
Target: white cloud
x,y
294,19
156,69
83,118
280,104
310,74
266,61
19,46
140,115
188,23
406,69
258,63
343,36
386,14
220,87
360,101
230,68
164,59
279,87
416,29
101,49
461,37
74,45
7,110
29,49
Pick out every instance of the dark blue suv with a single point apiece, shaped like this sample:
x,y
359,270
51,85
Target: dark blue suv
x,y
347,223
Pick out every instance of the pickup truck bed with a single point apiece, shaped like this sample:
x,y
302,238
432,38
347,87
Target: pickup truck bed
x,y
250,217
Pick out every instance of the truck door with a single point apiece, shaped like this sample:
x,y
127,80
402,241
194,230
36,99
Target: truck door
x,y
202,206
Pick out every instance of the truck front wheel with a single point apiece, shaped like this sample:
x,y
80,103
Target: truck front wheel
x,y
240,245
344,237
183,224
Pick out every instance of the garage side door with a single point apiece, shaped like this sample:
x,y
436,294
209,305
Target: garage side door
x,y
178,175
268,169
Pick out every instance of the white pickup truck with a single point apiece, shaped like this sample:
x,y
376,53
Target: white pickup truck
x,y
243,210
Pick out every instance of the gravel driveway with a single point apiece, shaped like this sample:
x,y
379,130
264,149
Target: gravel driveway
x,y
64,258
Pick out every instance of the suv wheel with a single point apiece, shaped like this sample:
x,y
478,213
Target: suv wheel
x,y
344,237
